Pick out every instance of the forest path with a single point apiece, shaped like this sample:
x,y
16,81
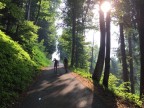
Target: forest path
x,y
59,91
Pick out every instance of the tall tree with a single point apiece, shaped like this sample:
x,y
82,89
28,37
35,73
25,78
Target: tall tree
x,y
91,66
28,9
123,56
100,62
141,39
126,17
131,64
38,13
73,31
107,58
75,19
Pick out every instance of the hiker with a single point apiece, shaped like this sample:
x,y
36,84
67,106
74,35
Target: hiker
x,y
65,64
55,64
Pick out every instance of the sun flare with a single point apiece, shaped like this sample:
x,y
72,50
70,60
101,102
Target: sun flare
x,y
106,6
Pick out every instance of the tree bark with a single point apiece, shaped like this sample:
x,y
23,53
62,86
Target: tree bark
x,y
28,9
39,8
131,65
73,33
107,59
123,57
8,25
141,39
76,53
100,62
91,67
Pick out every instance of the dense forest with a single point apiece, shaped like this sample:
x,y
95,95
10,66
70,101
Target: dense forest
x,y
27,40
28,35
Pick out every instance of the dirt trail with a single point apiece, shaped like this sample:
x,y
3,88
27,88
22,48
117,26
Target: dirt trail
x,y
61,90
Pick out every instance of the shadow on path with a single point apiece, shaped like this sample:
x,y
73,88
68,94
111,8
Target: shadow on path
x,y
62,90
103,98
57,91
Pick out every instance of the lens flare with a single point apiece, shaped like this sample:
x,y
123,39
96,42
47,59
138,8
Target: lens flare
x,y
106,6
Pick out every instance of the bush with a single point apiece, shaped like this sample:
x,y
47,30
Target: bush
x,y
40,57
114,86
83,73
29,41
16,70
119,90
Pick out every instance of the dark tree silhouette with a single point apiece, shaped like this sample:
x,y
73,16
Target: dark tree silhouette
x,y
131,65
73,32
107,59
100,62
141,38
123,57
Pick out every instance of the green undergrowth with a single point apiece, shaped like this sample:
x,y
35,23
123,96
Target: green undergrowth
x,y
39,57
119,90
28,38
17,69
114,87
83,73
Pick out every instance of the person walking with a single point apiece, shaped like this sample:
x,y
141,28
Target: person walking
x,y
65,64
55,65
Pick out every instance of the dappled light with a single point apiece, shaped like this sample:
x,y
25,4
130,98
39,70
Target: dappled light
x,y
57,92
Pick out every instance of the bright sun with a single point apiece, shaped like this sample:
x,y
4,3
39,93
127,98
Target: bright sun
x,y
106,6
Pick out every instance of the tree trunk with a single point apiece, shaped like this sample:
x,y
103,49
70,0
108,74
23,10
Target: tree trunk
x,y
107,59
28,5
17,30
141,39
131,65
123,57
76,53
73,33
100,62
8,25
39,8
91,67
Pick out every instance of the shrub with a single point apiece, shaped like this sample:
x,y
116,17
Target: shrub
x,y
83,73
16,70
39,57
115,87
